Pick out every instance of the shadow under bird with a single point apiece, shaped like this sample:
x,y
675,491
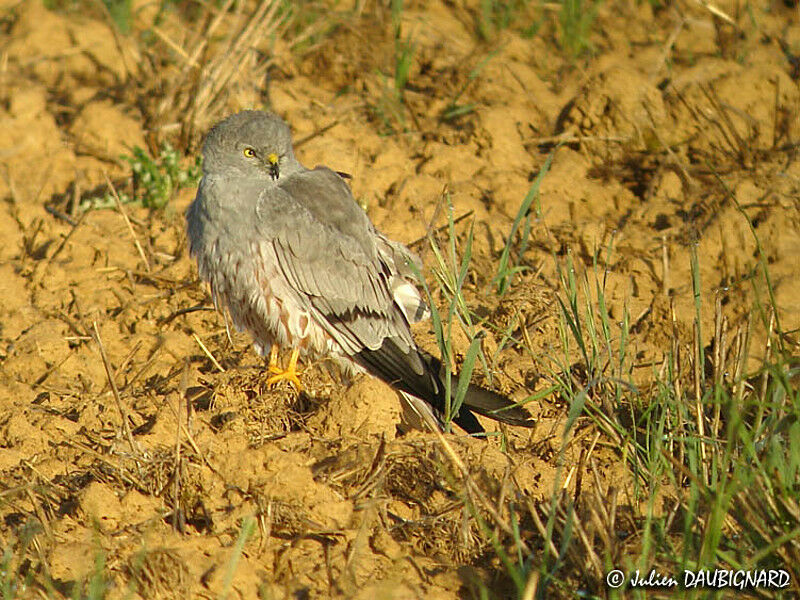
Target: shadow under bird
x,y
298,264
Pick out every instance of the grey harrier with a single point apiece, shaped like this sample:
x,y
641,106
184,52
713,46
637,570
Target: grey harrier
x,y
299,265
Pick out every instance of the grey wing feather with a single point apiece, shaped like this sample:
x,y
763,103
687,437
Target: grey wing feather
x,y
404,260
327,251
406,267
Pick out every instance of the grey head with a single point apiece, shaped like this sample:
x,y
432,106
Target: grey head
x,y
253,144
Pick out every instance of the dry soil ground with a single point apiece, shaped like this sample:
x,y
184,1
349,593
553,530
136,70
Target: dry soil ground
x,y
670,118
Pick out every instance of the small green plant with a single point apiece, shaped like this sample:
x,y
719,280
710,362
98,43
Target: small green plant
x,y
120,12
451,273
155,180
99,581
496,15
306,23
246,531
10,583
454,109
575,21
404,48
390,107
505,268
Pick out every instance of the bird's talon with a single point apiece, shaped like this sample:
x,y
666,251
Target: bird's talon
x,y
290,374
292,380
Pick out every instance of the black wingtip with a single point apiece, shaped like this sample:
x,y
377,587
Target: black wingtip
x,y
496,406
487,403
418,374
468,421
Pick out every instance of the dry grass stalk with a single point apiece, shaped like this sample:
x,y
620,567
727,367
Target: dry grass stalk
x,y
126,428
698,400
121,210
207,352
217,75
472,489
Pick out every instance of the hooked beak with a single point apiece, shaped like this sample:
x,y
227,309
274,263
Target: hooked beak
x,y
274,170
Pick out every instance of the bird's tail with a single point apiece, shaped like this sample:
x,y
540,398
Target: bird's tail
x,y
420,375
484,402
496,406
479,400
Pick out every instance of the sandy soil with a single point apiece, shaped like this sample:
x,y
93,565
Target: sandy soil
x,y
676,118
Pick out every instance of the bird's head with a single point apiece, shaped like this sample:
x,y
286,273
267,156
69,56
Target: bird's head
x,y
252,144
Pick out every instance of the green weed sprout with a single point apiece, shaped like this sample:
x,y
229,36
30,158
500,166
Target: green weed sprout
x,y
155,180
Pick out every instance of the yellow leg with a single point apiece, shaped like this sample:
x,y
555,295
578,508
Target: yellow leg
x,y
273,365
290,374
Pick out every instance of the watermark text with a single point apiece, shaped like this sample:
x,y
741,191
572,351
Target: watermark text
x,y
701,579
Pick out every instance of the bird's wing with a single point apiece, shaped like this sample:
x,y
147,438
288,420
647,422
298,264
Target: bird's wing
x,y
328,255
344,273
406,266
327,252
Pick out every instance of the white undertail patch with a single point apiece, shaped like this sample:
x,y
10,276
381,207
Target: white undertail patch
x,y
407,297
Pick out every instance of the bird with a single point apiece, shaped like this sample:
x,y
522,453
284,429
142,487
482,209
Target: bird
x,y
297,263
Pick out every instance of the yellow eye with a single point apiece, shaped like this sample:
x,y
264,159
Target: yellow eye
x,y
249,153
